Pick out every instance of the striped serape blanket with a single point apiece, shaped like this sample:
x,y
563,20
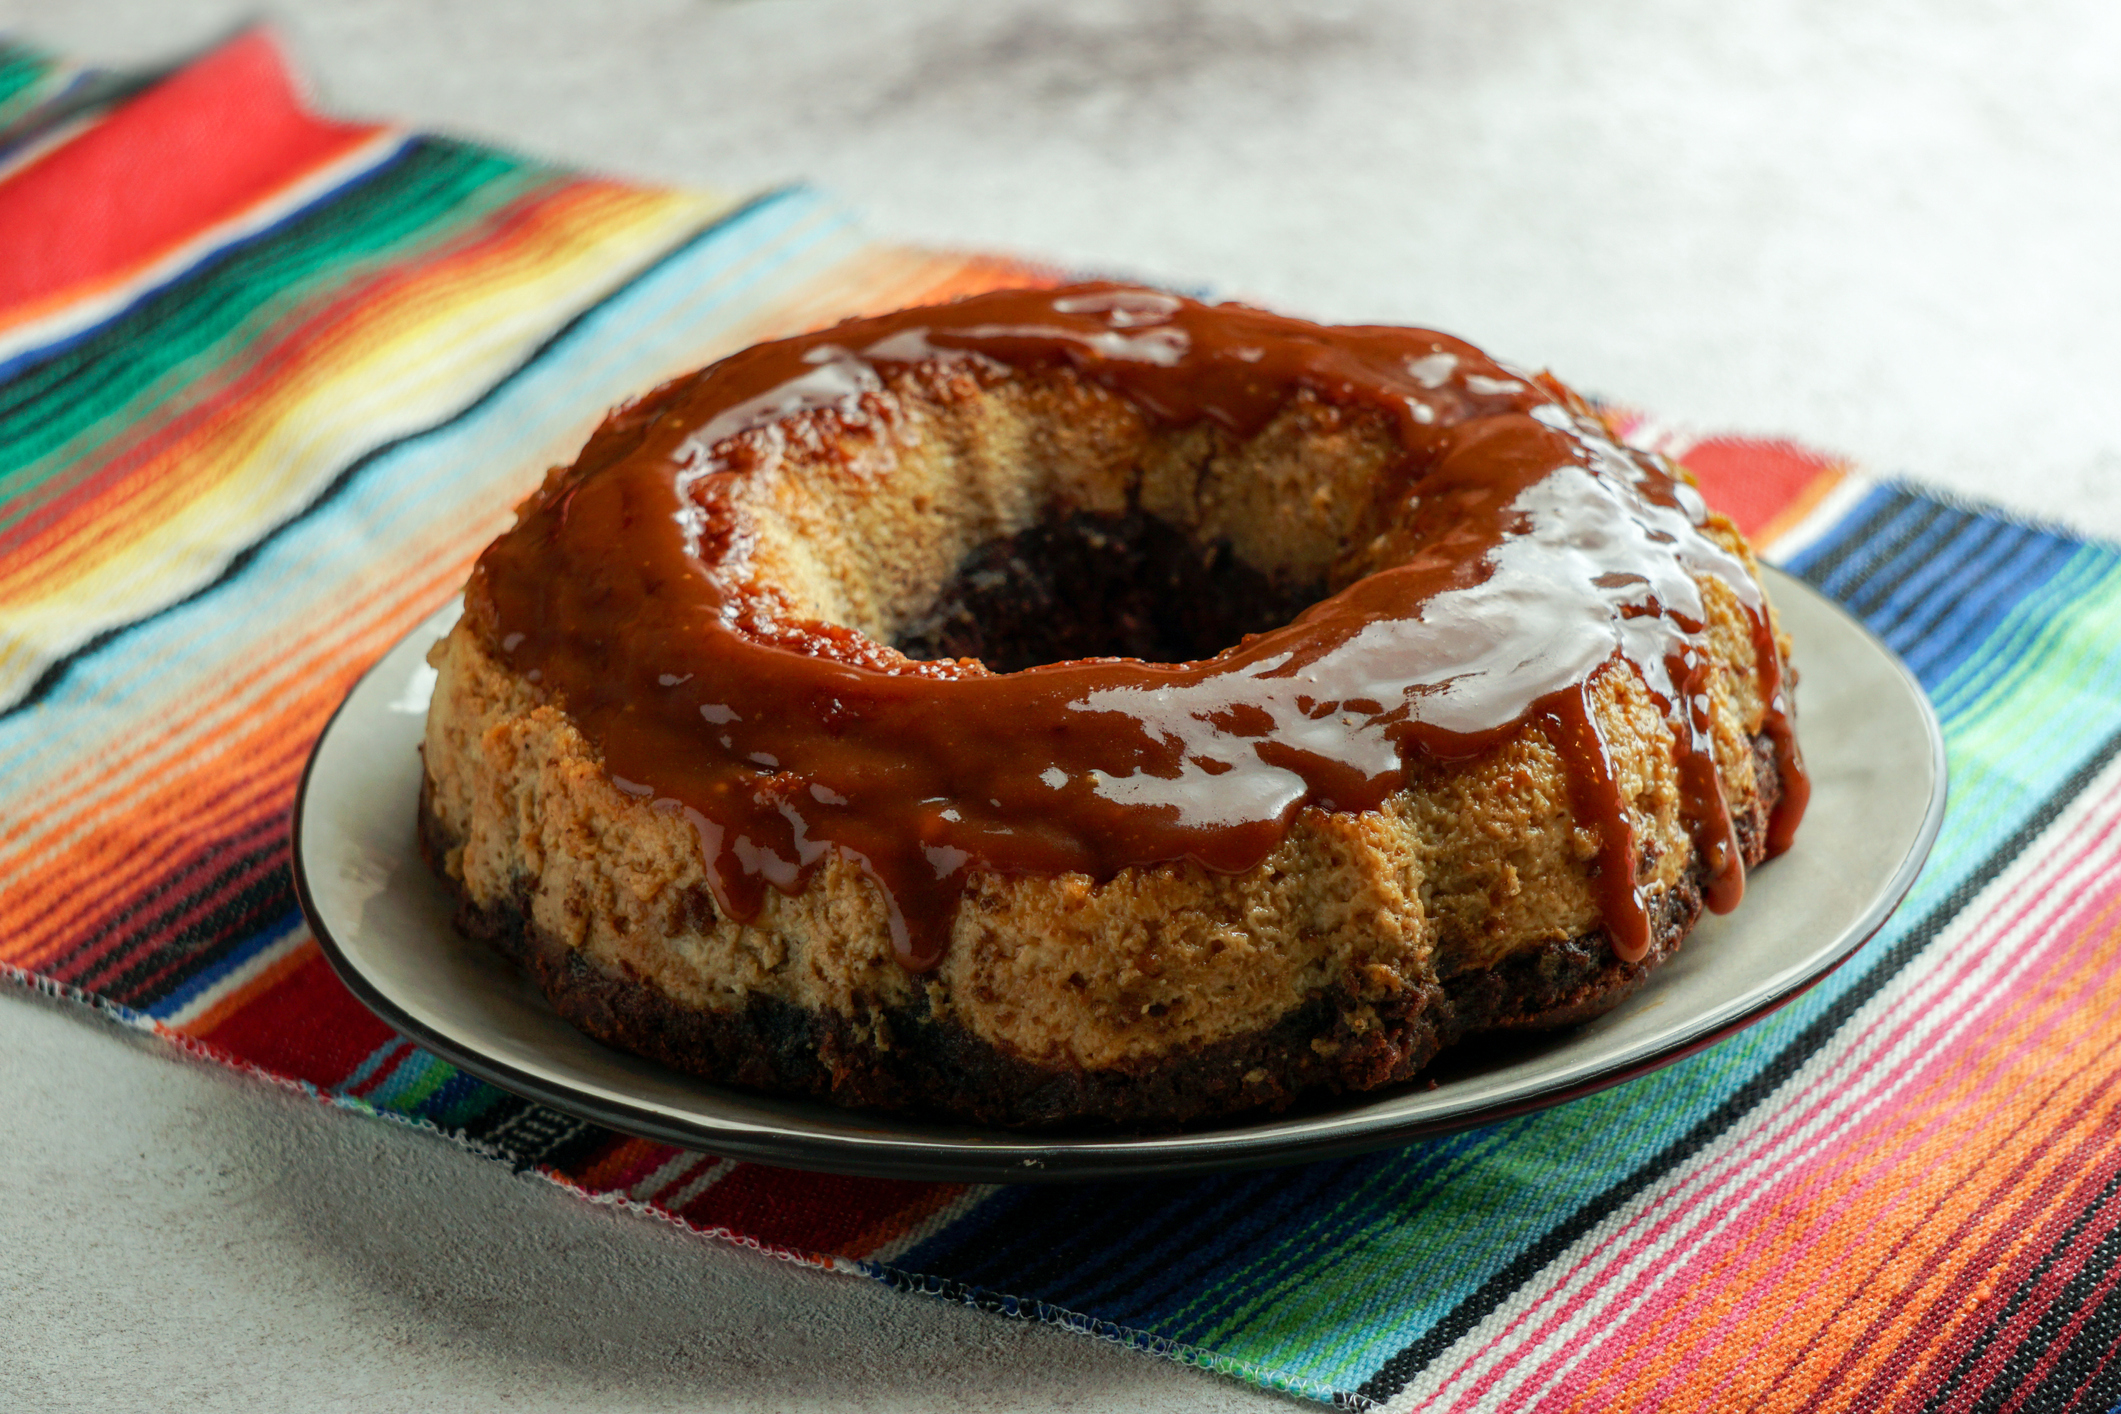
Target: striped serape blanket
x,y
269,381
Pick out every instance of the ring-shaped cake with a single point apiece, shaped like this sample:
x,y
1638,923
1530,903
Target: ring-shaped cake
x,y
1088,706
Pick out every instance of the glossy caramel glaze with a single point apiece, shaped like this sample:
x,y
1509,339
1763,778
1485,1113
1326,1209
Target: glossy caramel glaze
x,y
1518,551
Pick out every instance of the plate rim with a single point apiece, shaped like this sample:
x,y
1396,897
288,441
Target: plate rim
x,y
1009,1156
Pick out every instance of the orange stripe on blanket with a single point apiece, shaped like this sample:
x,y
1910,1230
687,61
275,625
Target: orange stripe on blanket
x,y
215,886
189,814
402,592
89,886
65,891
1965,1286
2054,1128
316,649
1936,1215
102,874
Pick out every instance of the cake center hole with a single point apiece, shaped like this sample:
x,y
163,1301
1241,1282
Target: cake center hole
x,y
1100,586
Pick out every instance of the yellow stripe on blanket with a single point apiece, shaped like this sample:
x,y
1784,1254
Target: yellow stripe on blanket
x,y
421,352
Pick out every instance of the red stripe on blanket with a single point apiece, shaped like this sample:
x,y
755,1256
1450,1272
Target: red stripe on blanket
x,y
162,457
197,149
309,1027
813,1212
1750,481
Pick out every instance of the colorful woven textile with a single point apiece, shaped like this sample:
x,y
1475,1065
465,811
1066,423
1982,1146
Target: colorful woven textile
x,y
268,383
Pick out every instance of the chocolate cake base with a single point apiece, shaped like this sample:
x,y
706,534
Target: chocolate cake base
x,y
1330,1042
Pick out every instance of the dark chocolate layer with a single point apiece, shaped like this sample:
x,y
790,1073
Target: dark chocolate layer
x,y
1327,1043
1100,586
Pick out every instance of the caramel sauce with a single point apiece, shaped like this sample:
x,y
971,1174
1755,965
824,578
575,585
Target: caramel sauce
x,y
1527,550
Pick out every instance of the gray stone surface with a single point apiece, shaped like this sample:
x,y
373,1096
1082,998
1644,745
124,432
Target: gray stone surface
x,y
179,1237
1882,229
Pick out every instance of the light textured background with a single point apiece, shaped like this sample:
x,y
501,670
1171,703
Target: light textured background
x,y
1886,230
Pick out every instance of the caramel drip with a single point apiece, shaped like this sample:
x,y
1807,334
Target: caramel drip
x,y
1528,551
1782,739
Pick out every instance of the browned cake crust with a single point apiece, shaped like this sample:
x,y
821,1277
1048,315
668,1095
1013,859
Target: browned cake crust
x,y
1332,1041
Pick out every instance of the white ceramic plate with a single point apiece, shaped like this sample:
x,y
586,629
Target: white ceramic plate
x,y
1870,739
